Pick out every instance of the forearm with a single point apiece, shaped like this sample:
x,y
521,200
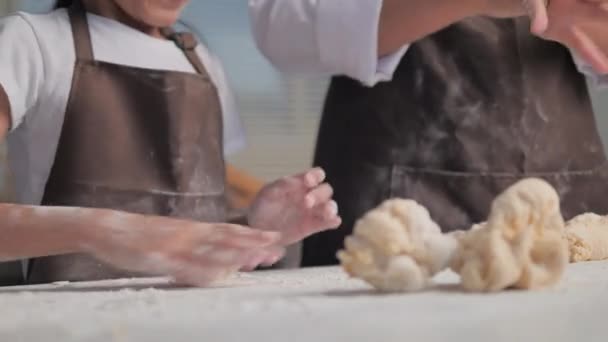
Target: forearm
x,y
403,22
28,231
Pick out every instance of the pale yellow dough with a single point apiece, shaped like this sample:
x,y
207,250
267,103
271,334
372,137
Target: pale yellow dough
x,y
397,247
587,237
520,246
523,244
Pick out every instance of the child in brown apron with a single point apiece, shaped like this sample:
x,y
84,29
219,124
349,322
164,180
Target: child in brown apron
x,y
137,179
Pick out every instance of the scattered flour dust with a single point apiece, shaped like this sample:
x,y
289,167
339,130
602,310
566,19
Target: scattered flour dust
x,y
142,301
285,305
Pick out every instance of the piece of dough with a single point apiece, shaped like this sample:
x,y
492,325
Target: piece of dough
x,y
587,237
460,234
522,244
397,247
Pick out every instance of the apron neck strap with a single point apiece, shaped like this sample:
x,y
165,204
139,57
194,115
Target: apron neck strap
x,y
84,47
186,42
80,31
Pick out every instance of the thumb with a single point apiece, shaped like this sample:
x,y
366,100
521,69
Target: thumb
x,y
537,10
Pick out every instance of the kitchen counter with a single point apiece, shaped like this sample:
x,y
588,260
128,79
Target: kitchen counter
x,y
319,304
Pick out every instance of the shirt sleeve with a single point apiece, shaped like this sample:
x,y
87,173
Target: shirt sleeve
x,y
234,135
323,36
600,81
21,66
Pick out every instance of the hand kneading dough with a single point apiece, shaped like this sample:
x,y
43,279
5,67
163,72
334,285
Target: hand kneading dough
x,y
397,247
587,237
520,246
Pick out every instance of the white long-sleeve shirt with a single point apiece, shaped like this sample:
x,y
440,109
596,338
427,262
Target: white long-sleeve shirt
x,y
334,37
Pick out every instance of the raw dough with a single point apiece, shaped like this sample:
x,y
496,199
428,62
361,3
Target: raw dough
x,y
460,234
520,246
397,247
587,236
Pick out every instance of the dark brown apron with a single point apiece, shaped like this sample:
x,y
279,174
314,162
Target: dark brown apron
x,y
138,140
471,109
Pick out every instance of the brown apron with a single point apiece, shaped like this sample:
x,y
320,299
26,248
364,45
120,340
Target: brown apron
x,y
138,140
471,109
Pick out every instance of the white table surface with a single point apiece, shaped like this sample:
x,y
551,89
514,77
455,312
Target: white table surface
x,y
305,305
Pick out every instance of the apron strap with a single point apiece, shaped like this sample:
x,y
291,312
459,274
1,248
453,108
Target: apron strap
x,y
84,47
80,31
187,43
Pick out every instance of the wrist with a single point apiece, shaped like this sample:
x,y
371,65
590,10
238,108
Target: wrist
x,y
499,8
80,228
475,8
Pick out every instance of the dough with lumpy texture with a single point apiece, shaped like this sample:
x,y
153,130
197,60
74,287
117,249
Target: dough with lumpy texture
x,y
460,234
397,247
587,237
521,245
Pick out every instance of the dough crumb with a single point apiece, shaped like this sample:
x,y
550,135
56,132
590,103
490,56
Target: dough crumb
x,y
587,237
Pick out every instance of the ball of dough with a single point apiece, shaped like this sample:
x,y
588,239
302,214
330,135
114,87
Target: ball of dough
x,y
521,245
397,247
587,237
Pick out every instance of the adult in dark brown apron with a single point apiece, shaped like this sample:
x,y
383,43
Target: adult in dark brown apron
x,y
471,109
137,140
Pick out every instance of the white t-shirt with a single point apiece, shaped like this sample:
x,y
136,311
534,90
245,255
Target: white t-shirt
x,y
36,67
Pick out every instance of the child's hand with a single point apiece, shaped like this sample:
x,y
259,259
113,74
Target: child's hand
x,y
297,206
193,253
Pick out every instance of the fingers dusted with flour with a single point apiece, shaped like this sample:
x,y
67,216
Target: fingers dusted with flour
x,y
298,206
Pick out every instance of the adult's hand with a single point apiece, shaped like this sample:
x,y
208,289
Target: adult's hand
x,y
581,25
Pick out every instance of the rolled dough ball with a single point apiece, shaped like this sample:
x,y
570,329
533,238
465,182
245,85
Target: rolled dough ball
x,y
520,246
397,247
587,237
